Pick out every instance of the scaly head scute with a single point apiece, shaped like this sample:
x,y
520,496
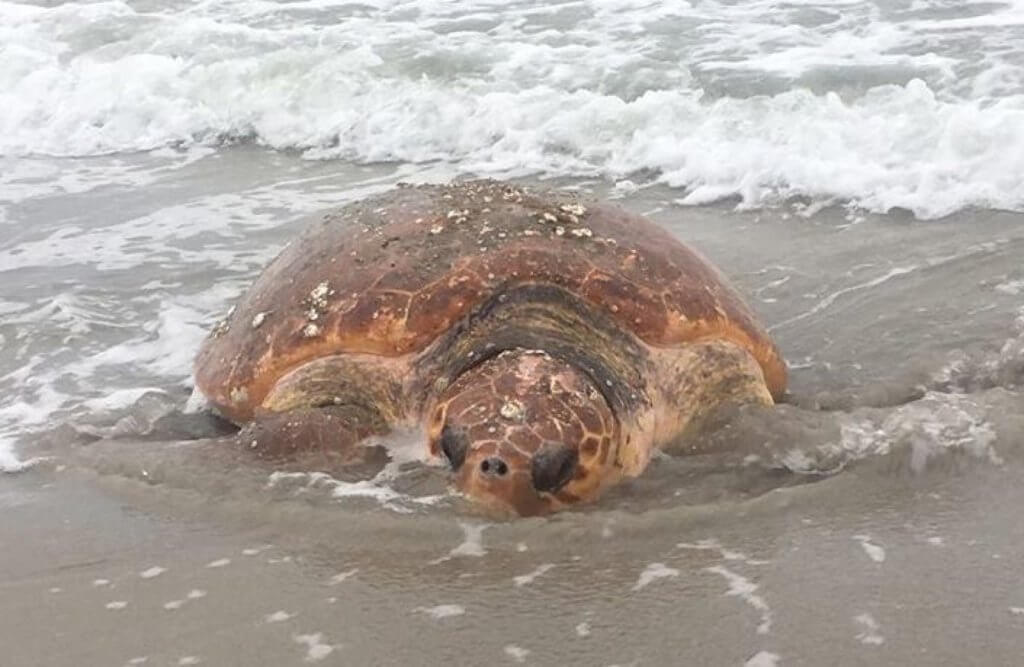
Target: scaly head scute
x,y
526,433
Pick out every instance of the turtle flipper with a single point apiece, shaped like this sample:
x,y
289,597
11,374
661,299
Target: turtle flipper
x,y
335,432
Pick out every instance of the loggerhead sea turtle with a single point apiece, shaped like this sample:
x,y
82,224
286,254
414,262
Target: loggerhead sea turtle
x,y
545,347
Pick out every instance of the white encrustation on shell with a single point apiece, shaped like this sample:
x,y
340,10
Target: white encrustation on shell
x,y
582,232
311,330
238,394
512,410
576,209
258,320
318,295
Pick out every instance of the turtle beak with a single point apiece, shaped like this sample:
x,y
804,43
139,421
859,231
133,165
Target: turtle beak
x,y
502,482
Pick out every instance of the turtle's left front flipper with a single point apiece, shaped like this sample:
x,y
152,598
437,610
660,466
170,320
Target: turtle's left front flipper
x,y
335,432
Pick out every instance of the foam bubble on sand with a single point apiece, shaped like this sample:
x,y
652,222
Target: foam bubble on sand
x,y
517,653
442,610
762,659
189,660
316,649
220,562
529,577
726,554
154,571
116,605
472,544
1017,611
56,589
278,617
746,590
583,629
869,630
376,488
1011,287
342,576
652,572
874,551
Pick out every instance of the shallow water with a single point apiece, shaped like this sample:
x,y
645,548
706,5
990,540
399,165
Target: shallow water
x,y
857,523
870,519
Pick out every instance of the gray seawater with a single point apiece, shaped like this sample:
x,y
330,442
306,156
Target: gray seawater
x,y
870,519
810,150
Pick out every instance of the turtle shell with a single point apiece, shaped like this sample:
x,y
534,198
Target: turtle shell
x,y
388,275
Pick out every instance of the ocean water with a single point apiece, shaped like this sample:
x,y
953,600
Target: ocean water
x,y
856,168
155,155
910,104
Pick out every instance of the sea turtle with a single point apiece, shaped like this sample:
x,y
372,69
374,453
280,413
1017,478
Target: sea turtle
x,y
545,346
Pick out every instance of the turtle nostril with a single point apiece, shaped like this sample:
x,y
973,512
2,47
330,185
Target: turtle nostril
x,y
493,467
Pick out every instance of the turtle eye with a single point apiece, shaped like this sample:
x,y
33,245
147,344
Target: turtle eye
x,y
553,466
454,444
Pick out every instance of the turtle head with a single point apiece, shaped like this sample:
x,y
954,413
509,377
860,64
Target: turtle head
x,y
526,433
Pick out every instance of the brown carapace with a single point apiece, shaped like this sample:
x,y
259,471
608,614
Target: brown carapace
x,y
545,346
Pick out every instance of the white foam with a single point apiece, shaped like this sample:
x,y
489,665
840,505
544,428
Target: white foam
x,y
745,589
152,572
10,463
442,610
530,577
472,544
726,554
255,551
116,605
869,630
652,572
278,617
583,629
922,431
517,653
316,649
402,447
874,551
1011,287
342,576
934,134
762,659
220,562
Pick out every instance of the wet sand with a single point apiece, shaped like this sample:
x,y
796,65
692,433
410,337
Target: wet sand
x,y
863,568
872,519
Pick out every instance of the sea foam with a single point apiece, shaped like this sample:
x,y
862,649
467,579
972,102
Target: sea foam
x,y
879,108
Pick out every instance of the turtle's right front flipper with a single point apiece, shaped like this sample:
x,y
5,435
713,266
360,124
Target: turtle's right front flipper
x,y
335,432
